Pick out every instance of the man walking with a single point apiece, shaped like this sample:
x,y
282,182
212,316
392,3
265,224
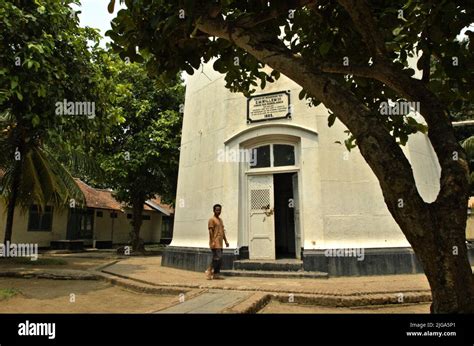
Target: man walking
x,y
216,237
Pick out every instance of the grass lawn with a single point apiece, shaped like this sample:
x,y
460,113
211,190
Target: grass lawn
x,y
6,293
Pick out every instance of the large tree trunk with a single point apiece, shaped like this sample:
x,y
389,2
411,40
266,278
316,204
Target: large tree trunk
x,y
447,268
12,203
442,251
137,219
432,229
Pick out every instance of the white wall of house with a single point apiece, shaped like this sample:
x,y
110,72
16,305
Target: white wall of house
x,y
21,234
106,227
150,231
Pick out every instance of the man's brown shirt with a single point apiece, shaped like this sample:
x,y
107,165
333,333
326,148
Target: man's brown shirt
x,y
216,234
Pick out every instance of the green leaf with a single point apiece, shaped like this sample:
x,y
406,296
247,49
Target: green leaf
x,y
302,94
331,119
35,120
350,143
189,69
397,31
411,121
324,48
403,138
111,6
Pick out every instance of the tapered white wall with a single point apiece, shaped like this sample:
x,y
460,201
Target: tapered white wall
x,y
341,200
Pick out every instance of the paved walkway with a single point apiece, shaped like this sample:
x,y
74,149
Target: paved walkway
x,y
149,270
213,301
233,294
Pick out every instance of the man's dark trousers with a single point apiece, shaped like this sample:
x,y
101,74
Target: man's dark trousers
x,y
216,260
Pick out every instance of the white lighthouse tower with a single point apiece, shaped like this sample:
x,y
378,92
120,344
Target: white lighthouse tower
x,y
289,191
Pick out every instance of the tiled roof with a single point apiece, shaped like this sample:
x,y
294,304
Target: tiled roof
x,y
98,198
103,199
156,203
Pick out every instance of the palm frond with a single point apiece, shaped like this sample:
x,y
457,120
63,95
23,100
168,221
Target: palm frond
x,y
77,162
7,124
468,146
31,187
43,181
66,187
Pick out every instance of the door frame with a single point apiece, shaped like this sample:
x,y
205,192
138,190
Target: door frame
x,y
245,171
74,224
245,196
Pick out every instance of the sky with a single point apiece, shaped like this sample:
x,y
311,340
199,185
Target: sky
x,y
94,14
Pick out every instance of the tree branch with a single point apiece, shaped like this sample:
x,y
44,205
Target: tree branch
x,y
451,157
440,131
365,24
358,71
376,145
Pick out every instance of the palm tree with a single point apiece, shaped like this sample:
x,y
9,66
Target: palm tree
x,y
468,146
31,173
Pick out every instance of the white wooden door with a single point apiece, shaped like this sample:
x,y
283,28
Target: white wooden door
x,y
296,206
261,217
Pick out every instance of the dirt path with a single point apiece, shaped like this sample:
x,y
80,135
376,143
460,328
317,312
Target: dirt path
x,y
53,296
275,307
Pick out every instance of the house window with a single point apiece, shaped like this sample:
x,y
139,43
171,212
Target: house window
x,y
283,155
262,157
100,214
273,155
113,215
144,217
40,220
166,228
87,224
81,223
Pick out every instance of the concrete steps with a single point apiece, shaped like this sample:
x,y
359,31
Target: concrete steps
x,y
281,265
275,274
280,268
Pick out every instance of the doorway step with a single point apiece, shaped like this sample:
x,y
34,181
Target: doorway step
x,y
70,245
280,268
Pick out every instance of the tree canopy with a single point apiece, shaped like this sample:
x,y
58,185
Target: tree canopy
x,y
46,58
140,155
53,98
171,37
